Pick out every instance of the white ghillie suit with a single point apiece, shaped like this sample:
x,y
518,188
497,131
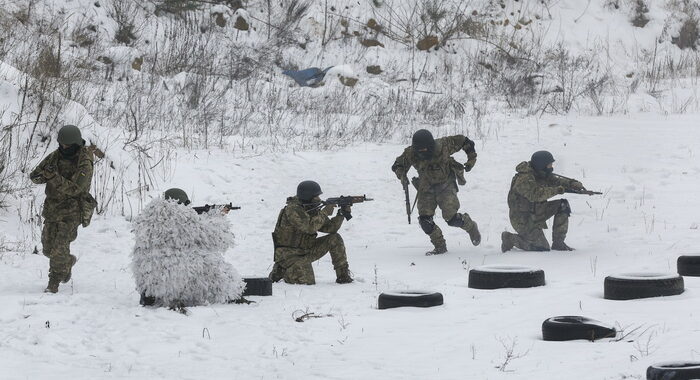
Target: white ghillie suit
x,y
178,256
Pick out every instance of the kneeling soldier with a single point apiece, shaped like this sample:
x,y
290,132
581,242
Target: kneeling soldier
x,y
295,238
532,186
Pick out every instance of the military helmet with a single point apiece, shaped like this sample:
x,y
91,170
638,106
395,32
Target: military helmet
x,y
69,135
178,194
306,190
423,139
541,159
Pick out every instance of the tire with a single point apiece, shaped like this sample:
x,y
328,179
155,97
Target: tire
x,y
689,266
414,298
674,371
261,286
630,286
574,327
505,276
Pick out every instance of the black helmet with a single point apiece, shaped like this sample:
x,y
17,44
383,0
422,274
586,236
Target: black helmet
x,y
177,194
306,190
540,160
69,135
423,144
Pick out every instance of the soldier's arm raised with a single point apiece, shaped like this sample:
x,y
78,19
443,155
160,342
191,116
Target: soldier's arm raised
x,y
302,221
79,183
534,192
460,142
333,224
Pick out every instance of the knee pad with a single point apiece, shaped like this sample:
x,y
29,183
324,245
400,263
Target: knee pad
x,y
427,224
456,221
564,207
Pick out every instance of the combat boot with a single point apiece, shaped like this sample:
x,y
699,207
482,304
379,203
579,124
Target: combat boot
x,y
72,262
439,250
559,245
277,273
475,235
52,287
506,241
343,275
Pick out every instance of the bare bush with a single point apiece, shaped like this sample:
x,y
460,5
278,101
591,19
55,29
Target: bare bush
x,y
124,13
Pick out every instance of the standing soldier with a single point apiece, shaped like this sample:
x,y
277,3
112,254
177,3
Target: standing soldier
x,y
438,175
67,173
295,238
532,185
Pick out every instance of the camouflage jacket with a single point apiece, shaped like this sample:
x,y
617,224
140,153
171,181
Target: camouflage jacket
x,y
442,168
67,183
297,227
529,191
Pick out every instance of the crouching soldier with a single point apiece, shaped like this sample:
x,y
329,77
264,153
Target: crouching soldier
x,y
532,186
177,259
67,173
438,175
295,238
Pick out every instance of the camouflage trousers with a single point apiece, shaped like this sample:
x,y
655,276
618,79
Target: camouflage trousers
x,y
530,234
55,240
445,197
296,262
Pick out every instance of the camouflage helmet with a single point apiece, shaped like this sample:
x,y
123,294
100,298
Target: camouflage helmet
x,y
423,143
307,190
178,194
69,135
541,159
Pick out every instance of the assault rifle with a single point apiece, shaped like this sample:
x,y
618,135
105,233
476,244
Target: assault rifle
x,y
342,201
582,191
206,208
408,200
346,200
577,191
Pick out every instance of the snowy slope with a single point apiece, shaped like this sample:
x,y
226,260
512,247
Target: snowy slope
x,y
645,164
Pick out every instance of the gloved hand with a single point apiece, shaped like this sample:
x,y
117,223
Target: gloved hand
x,y
561,190
49,172
576,185
468,166
346,212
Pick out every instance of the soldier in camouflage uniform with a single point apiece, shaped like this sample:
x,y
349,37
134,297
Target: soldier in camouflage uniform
x,y
67,173
438,175
532,186
295,238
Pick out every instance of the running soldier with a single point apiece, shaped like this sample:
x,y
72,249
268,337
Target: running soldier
x,y
67,173
438,176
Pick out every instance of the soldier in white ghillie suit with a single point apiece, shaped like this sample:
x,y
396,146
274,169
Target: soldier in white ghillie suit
x,y
178,255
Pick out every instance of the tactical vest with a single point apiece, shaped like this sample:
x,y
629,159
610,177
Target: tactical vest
x,y
59,206
441,169
517,202
287,236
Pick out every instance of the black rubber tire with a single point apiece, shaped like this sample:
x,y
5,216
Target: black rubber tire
x,y
258,286
689,266
412,298
674,371
505,276
642,285
575,327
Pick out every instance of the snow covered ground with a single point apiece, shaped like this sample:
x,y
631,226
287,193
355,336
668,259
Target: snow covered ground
x,y
645,164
